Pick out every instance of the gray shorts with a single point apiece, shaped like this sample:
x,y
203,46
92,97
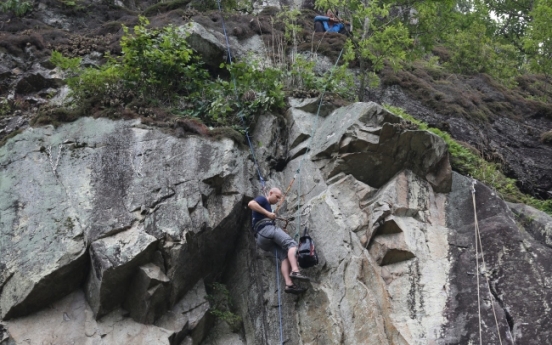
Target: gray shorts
x,y
273,239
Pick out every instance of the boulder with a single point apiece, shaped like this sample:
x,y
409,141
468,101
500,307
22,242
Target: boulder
x,y
271,152
41,238
114,186
205,43
146,299
5,73
114,261
36,79
300,124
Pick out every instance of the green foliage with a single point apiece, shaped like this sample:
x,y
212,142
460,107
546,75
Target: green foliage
x,y
512,19
473,51
159,62
470,50
158,66
96,83
18,7
5,108
469,163
221,304
69,3
244,6
65,63
538,41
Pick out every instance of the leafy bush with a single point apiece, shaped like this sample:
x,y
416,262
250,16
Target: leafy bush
x,y
468,163
5,108
221,304
18,7
474,52
158,66
69,64
159,62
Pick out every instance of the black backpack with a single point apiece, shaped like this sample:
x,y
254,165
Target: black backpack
x,y
306,253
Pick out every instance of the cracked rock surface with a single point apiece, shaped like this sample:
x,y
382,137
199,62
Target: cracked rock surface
x,y
96,202
112,233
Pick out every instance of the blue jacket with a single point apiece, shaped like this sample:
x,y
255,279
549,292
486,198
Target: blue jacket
x,y
325,21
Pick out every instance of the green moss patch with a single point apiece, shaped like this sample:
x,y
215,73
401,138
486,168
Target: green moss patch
x,y
467,161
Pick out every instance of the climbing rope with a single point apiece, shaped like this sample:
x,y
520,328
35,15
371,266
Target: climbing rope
x,y
240,113
261,179
479,243
477,263
279,296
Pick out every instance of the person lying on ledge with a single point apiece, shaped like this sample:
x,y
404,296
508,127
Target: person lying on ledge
x,y
328,23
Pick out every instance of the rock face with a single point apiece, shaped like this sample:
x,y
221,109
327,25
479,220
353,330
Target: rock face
x,y
132,213
397,260
132,225
112,233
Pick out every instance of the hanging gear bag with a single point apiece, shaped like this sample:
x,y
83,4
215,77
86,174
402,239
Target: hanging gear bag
x,y
306,252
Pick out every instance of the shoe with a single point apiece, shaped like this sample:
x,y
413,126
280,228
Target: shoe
x,y
298,276
294,289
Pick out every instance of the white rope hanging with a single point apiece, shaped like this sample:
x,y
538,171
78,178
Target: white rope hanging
x,y
479,244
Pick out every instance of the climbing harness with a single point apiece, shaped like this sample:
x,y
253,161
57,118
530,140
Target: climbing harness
x,y
479,243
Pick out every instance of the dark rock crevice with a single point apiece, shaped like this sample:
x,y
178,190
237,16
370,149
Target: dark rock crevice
x,y
509,317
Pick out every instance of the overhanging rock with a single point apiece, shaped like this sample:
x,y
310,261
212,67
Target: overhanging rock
x,y
71,321
535,222
372,144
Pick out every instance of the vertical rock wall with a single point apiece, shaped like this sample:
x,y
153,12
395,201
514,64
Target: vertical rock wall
x,y
133,216
117,230
397,250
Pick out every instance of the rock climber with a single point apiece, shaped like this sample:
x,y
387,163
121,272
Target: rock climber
x,y
328,23
271,238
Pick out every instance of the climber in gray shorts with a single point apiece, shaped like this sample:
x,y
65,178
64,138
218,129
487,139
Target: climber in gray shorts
x,y
271,238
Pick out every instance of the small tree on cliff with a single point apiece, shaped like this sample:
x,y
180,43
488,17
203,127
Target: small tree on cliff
x,y
388,32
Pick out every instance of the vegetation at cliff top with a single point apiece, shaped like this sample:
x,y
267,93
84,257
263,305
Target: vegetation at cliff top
x,y
19,8
468,162
504,39
158,68
465,36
